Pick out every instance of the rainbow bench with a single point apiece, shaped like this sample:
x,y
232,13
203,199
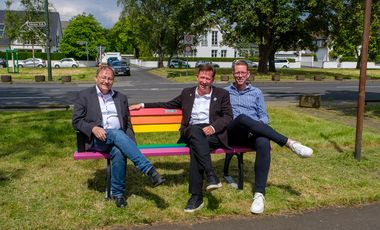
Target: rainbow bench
x,y
152,120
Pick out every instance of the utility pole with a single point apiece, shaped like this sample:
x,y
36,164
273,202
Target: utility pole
x,y
50,78
362,82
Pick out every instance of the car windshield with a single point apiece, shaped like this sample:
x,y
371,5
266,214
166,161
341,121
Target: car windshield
x,y
119,63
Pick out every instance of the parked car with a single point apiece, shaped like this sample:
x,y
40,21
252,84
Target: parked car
x,y
281,63
66,62
121,68
250,63
178,63
37,62
201,63
3,62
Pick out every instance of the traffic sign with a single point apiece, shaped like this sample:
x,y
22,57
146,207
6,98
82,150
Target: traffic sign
x,y
188,39
36,24
188,48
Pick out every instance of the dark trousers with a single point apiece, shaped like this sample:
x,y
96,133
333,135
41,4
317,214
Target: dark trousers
x,y
200,160
243,130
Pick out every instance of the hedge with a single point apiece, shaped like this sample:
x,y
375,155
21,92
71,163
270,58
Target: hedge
x,y
26,55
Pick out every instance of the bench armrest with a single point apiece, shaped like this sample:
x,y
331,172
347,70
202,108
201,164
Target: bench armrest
x,y
81,141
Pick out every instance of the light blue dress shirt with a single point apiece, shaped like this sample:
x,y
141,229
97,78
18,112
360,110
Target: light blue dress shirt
x,y
249,101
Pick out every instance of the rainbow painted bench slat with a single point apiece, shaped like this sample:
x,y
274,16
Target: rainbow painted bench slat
x,y
162,120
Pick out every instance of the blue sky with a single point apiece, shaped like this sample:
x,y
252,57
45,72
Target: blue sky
x,y
106,12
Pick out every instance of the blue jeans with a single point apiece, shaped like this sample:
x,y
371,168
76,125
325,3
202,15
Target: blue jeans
x,y
121,148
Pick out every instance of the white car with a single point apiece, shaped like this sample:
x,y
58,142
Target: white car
x,y
281,63
66,62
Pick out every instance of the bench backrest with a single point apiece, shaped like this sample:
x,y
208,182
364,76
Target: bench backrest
x,y
156,120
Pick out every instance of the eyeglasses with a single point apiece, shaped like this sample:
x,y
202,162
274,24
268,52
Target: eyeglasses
x,y
106,79
242,74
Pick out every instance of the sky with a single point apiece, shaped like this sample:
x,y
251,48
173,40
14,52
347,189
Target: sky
x,y
106,12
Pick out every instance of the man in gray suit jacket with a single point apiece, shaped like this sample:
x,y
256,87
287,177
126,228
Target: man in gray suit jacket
x,y
102,114
206,112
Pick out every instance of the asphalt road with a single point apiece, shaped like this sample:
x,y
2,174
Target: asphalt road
x,y
145,87
365,217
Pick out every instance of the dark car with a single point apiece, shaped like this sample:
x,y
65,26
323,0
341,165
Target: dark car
x,y
201,63
3,62
121,68
250,63
110,60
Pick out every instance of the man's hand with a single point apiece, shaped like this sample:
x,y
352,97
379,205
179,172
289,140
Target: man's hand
x,y
99,133
135,106
208,130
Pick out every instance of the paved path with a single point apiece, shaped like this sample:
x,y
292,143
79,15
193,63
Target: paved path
x,y
364,217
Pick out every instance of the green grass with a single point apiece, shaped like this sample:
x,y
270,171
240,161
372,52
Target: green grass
x,y
42,187
188,75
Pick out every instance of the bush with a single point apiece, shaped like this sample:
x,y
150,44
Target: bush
x,y
348,58
26,55
217,59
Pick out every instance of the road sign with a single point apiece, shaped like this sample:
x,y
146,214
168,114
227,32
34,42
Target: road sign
x,y
36,24
188,50
188,39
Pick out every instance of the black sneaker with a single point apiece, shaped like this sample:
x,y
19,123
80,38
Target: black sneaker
x,y
213,183
120,201
155,177
195,203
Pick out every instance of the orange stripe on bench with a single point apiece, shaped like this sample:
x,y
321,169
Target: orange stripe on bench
x,y
140,120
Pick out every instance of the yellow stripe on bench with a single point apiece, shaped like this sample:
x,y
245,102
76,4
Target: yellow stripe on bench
x,y
156,128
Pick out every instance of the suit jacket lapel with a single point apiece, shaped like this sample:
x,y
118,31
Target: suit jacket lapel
x,y
96,104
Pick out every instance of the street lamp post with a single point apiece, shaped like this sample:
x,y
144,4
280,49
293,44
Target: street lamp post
x,y
50,78
84,43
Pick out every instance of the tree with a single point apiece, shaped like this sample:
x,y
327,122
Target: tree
x,y
270,24
123,37
12,23
347,29
83,28
161,25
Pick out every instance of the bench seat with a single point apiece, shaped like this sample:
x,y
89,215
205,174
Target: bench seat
x,y
162,120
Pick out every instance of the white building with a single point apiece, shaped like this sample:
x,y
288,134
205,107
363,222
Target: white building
x,y
210,46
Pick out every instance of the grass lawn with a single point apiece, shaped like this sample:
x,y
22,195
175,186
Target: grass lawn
x,y
187,75
27,74
42,187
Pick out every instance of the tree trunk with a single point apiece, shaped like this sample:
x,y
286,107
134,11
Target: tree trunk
x,y
272,67
263,59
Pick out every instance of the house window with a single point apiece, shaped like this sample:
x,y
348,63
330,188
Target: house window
x,y
2,30
223,53
214,53
203,40
214,38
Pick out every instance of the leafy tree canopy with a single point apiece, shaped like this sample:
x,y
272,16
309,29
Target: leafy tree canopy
x,y
83,28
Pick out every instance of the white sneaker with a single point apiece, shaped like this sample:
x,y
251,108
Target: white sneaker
x,y
301,150
257,206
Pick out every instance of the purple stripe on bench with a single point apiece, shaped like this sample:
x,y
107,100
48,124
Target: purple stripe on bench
x,y
151,152
90,155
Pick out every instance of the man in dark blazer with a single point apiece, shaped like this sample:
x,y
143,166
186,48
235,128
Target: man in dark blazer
x,y
102,114
206,112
